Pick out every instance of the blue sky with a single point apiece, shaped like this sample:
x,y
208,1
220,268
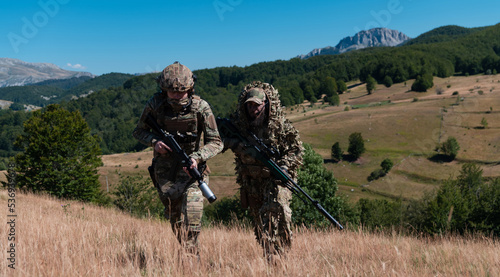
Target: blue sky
x,y
143,36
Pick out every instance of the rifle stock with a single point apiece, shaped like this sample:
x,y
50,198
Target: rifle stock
x,y
185,159
260,151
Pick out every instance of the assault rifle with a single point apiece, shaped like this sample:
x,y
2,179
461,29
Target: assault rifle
x,y
256,148
185,159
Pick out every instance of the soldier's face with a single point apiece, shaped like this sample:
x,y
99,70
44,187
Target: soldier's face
x,y
254,109
177,95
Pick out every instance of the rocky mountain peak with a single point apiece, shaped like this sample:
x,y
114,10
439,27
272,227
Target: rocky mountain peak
x,y
375,37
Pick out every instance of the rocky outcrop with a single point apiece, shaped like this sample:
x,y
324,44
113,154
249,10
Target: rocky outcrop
x,y
372,38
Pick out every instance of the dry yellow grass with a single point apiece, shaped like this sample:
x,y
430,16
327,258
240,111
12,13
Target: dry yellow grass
x,y
65,238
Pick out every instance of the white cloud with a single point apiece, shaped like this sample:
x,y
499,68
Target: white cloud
x,y
76,66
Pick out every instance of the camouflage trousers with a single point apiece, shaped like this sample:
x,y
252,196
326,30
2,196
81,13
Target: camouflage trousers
x,y
269,205
183,202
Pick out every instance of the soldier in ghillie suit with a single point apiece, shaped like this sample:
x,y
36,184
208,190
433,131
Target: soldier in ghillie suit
x,y
187,117
259,111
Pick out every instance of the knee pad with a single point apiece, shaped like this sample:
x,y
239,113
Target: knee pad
x,y
194,209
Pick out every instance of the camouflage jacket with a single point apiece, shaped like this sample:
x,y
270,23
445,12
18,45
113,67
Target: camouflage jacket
x,y
186,124
276,131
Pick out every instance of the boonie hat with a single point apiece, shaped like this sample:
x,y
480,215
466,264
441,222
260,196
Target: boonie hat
x,y
256,95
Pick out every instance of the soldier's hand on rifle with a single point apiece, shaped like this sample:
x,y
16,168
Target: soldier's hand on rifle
x,y
194,164
239,148
161,147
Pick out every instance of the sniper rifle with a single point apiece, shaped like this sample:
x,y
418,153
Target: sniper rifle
x,y
256,148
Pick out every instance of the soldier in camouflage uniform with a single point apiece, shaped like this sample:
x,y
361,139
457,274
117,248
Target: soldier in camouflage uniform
x,y
259,110
187,117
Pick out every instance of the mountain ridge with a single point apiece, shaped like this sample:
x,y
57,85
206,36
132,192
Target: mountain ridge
x,y
14,72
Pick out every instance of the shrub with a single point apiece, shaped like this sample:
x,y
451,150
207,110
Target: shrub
x,y
484,123
376,174
138,196
467,203
379,213
450,147
386,165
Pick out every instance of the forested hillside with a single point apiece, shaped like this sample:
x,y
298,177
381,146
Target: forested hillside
x,y
113,110
441,34
56,91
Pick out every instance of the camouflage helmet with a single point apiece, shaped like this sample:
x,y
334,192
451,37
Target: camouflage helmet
x,y
176,77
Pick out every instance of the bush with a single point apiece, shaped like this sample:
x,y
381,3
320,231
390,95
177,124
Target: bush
x,y
138,197
379,213
386,165
484,123
376,175
465,204
450,147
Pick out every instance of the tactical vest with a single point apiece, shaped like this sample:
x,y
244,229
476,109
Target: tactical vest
x,y
185,125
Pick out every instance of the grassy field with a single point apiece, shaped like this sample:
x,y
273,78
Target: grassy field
x,y
407,129
55,237
395,123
